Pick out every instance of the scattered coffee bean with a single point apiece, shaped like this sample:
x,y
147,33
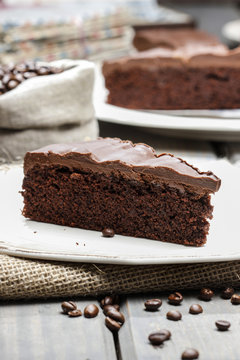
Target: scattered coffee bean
x,y
235,299
91,311
112,324
153,304
108,232
227,293
206,294
75,313
195,309
166,333
68,306
175,298
174,315
108,300
106,308
190,354
115,315
222,325
158,337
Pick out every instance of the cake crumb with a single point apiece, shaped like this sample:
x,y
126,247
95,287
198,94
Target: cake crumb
x,y
77,243
35,232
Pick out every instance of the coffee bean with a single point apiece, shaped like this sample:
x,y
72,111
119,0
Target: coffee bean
x,y
190,354
12,84
112,324
158,337
102,304
91,311
108,232
20,68
19,78
227,293
175,299
195,309
108,300
152,304
166,333
222,325
174,315
235,299
68,306
206,294
29,75
43,71
115,315
106,308
7,78
75,313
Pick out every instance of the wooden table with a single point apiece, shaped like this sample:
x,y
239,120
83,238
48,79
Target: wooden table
x,y
38,330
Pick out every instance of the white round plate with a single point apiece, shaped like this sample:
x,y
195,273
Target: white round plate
x,y
221,125
25,238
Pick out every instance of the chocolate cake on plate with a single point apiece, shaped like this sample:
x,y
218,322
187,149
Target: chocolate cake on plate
x,y
188,70
119,185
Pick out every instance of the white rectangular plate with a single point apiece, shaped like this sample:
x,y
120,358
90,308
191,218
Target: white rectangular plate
x,y
21,237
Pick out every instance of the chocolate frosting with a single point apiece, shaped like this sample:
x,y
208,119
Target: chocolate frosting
x,y
190,55
174,38
134,161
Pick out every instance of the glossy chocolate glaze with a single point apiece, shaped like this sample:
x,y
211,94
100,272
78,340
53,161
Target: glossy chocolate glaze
x,y
134,161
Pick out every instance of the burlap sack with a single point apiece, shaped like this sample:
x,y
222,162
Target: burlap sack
x,y
25,279
52,100
15,143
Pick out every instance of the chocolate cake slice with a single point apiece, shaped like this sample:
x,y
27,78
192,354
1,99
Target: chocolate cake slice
x,y
119,185
189,70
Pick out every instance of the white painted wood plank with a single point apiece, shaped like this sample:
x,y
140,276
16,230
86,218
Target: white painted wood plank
x,y
196,331
39,331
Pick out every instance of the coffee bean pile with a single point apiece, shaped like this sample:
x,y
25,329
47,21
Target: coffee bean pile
x,y
13,75
159,337
111,309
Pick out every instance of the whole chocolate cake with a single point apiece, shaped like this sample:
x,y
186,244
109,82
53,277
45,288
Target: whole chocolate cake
x,y
110,183
186,70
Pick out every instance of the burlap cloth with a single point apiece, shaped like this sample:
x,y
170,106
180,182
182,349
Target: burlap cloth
x,y
23,278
